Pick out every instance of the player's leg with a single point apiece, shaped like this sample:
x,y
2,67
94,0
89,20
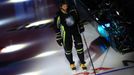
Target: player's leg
x,y
79,48
67,43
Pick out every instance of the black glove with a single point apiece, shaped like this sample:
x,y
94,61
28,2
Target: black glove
x,y
60,42
59,39
81,27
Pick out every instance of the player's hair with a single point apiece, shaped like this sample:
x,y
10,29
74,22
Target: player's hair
x,y
62,3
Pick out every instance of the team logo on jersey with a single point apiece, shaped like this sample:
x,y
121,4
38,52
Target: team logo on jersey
x,y
69,21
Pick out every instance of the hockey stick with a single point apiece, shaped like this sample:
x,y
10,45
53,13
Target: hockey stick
x,y
86,45
89,53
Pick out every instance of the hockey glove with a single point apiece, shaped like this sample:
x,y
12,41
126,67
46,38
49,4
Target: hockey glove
x,y
59,39
81,27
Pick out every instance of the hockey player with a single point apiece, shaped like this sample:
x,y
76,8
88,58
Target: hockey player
x,y
67,31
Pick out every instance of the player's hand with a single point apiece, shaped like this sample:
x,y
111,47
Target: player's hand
x,y
60,42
